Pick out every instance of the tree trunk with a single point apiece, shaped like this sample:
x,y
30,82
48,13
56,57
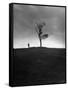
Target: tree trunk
x,y
40,42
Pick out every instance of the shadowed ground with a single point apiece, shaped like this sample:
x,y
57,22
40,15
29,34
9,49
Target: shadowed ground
x,y
37,66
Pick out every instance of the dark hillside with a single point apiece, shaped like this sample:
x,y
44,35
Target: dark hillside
x,y
34,66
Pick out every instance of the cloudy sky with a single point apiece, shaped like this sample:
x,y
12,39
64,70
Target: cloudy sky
x,y
25,17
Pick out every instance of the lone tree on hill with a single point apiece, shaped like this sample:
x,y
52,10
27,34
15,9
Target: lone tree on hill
x,y
38,28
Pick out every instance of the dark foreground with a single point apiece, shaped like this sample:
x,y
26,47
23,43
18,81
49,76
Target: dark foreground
x,y
39,66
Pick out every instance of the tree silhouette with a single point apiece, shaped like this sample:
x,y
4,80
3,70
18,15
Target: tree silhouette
x,y
38,28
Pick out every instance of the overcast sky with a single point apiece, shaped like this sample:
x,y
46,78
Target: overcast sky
x,y
25,17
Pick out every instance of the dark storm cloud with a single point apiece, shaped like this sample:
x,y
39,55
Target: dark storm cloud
x,y
25,17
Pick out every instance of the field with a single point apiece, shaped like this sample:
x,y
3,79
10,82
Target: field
x,y
39,66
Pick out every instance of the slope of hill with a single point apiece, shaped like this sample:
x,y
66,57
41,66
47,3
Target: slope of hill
x,y
35,66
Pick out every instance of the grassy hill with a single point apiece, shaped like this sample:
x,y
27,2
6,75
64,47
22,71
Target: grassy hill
x,y
35,66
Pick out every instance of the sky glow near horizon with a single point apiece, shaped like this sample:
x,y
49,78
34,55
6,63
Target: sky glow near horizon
x,y
25,17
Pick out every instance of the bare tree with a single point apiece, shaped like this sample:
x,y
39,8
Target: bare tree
x,y
40,34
